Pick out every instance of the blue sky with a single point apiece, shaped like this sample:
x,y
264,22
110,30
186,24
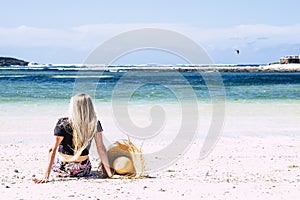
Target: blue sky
x,y
68,31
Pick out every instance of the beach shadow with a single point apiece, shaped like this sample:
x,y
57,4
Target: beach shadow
x,y
99,175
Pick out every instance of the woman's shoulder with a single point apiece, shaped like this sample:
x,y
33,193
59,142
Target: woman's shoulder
x,y
62,120
64,123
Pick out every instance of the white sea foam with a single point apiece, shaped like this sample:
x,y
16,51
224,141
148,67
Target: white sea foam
x,y
13,76
80,76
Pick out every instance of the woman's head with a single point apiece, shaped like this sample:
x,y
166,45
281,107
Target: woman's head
x,y
83,120
82,108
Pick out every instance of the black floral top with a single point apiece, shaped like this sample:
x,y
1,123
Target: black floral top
x,y
64,129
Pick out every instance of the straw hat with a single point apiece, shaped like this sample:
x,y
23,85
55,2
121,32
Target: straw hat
x,y
125,159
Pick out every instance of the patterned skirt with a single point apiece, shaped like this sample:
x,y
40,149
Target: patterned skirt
x,y
72,169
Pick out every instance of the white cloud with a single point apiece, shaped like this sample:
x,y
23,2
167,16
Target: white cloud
x,y
31,36
89,36
259,36
85,36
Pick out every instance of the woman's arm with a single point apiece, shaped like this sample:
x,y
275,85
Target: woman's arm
x,y
102,152
52,153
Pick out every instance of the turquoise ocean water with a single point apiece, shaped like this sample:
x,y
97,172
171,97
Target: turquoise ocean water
x,y
28,85
41,95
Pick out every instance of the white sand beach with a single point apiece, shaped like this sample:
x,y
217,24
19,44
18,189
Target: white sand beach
x,y
256,157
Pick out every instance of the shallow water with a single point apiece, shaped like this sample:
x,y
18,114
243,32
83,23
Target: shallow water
x,y
256,104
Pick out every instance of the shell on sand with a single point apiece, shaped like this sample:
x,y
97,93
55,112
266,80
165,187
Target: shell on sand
x,y
126,159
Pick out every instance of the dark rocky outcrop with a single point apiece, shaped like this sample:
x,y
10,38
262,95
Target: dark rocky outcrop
x,y
7,61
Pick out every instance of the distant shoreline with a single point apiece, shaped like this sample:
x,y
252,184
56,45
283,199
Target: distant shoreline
x,y
8,61
216,68
161,68
14,63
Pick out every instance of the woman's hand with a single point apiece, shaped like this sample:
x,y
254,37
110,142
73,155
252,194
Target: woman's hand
x,y
38,181
102,153
52,152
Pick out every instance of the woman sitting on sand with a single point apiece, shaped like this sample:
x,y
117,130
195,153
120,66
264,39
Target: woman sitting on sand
x,y
73,136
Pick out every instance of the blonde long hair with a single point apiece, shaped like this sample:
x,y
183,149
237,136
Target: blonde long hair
x,y
83,119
